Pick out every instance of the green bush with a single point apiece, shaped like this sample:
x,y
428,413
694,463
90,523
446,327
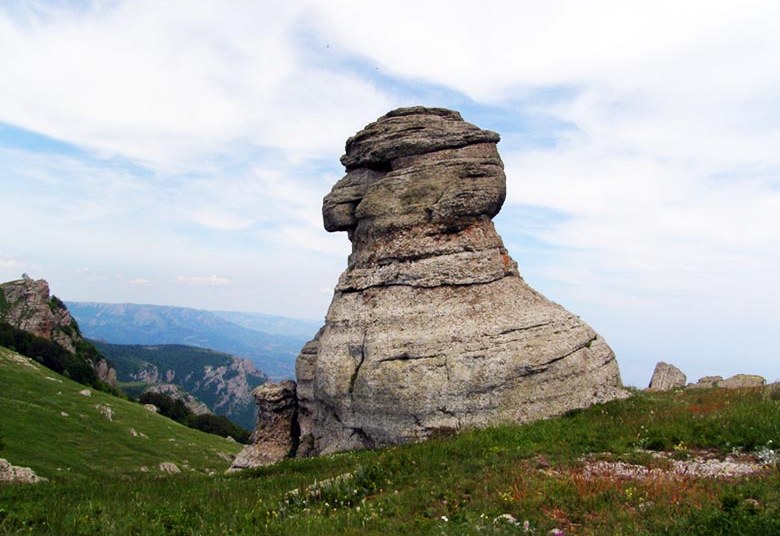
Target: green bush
x,y
50,354
218,425
211,424
172,408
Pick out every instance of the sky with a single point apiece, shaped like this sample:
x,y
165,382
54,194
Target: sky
x,y
177,153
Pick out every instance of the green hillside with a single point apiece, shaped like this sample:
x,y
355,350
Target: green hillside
x,y
47,425
634,466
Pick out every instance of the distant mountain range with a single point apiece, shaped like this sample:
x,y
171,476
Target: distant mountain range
x,y
272,343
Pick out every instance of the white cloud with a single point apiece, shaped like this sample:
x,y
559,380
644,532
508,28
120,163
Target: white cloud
x,y
11,263
661,166
174,84
139,282
209,280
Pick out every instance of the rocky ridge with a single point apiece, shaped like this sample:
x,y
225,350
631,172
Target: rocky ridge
x,y
28,305
431,327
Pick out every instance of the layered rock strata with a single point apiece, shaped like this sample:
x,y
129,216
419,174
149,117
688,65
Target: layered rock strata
x,y
431,326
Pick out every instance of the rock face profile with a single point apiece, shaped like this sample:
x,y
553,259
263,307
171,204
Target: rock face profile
x,y
431,327
666,377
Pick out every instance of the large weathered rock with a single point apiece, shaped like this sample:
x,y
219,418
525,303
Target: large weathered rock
x,y
431,326
666,377
276,435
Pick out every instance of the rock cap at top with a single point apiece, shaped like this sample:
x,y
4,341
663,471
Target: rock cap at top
x,y
411,131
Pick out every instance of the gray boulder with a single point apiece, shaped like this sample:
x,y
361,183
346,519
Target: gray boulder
x,y
431,326
666,377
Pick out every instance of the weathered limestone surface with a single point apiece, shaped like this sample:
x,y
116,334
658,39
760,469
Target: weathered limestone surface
x,y
431,326
666,377
276,435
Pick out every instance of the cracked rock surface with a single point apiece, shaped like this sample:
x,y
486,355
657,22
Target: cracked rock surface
x,y
431,327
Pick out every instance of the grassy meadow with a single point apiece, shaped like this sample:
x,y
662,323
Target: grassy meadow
x,y
509,480
46,424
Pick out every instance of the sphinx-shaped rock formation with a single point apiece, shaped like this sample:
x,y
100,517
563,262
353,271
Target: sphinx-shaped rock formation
x,y
431,327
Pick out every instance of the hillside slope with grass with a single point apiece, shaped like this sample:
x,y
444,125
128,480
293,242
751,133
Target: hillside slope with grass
x,y
48,425
690,462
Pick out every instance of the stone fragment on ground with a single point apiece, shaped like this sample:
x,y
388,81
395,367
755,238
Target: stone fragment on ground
x,y
169,468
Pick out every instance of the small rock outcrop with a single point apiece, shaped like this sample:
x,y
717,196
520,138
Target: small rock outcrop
x,y
19,475
276,436
706,382
30,307
431,327
739,381
666,377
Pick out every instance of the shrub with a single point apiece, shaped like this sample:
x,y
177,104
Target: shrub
x,y
211,424
219,425
50,354
172,408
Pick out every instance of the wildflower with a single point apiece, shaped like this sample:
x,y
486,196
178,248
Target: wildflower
x,y
445,518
